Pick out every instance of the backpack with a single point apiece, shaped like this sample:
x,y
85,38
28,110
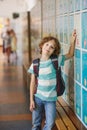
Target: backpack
x,y
60,85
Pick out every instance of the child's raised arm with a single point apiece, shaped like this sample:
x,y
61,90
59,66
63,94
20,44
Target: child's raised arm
x,y
72,46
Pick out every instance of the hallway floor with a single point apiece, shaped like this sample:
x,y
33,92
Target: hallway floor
x,y
14,99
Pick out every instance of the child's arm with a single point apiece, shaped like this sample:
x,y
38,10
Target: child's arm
x,y
72,47
32,86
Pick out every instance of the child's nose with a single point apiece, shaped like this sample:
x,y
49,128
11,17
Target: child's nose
x,y
48,47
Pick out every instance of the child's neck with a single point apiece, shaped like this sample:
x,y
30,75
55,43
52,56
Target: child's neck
x,y
44,58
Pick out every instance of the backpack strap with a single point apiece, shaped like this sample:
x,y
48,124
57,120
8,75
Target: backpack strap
x,y
36,66
60,84
54,59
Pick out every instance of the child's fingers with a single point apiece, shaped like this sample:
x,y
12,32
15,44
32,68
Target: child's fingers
x,y
73,37
74,33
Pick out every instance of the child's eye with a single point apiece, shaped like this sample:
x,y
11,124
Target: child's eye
x,y
52,47
46,44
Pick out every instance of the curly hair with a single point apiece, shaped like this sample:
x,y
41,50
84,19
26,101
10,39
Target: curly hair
x,y
47,39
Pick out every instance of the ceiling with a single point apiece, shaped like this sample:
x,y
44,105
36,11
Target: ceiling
x,y
8,7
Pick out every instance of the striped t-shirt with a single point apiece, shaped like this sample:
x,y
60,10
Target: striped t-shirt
x,y
46,89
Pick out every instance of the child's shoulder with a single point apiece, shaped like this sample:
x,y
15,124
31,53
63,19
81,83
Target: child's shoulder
x,y
36,60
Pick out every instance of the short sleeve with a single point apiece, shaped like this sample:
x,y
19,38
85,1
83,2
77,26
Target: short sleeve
x,y
30,70
61,60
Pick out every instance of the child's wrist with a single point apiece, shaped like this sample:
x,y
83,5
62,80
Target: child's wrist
x,y
72,40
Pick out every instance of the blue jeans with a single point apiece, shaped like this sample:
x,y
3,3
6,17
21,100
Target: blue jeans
x,y
37,114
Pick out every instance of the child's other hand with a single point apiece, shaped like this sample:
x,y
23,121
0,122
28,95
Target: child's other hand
x,y
32,106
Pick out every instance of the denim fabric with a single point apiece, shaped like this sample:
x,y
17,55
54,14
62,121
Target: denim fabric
x,y
37,114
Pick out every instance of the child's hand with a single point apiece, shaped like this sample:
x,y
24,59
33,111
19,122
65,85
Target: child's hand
x,y
72,46
73,37
32,106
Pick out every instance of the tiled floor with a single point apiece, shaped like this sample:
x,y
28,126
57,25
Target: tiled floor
x,y
14,99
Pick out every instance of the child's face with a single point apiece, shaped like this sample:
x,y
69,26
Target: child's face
x,y
48,48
